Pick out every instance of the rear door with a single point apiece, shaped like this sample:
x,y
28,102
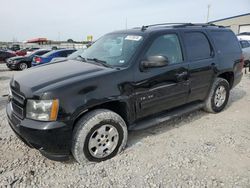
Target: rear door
x,y
162,88
201,60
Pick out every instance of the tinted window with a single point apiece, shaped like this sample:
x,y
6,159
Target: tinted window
x,y
197,46
49,54
167,45
42,52
64,53
225,41
244,44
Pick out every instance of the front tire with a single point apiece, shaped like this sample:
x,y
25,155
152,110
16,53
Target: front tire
x,y
218,96
23,66
99,135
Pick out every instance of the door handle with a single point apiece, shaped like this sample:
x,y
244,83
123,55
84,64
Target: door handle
x,y
182,76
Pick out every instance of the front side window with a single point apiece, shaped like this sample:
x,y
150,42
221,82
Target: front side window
x,y
197,46
114,49
168,46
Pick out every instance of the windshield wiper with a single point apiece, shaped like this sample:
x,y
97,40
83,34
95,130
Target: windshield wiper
x,y
95,60
98,61
81,58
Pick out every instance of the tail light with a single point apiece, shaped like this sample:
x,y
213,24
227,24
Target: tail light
x,y
241,62
38,60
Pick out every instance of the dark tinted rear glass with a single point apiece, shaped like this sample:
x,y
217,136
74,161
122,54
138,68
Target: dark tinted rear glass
x,y
197,46
225,41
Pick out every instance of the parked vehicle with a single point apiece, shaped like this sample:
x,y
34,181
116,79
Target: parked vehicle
x,y
22,52
72,56
127,80
30,50
24,62
15,47
5,54
244,36
245,45
46,58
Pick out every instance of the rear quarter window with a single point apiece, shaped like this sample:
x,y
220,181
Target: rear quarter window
x,y
225,41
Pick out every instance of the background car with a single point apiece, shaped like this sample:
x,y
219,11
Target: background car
x,y
70,57
46,58
24,62
30,50
245,45
22,52
244,36
5,54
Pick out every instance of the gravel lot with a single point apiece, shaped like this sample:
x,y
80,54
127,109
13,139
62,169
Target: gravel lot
x,y
196,150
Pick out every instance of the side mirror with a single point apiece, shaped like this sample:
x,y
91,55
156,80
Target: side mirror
x,y
155,61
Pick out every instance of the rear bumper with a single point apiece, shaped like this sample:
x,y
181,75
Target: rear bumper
x,y
52,139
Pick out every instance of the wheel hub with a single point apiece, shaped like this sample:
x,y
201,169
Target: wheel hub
x,y
220,96
103,141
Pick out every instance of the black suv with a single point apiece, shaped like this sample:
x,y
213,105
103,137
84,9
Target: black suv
x,y
126,80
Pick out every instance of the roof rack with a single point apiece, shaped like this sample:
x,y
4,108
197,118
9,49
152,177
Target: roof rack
x,y
144,27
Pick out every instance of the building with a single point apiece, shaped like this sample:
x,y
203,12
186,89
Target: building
x,y
238,24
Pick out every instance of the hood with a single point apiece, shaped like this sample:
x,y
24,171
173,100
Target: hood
x,y
16,58
46,77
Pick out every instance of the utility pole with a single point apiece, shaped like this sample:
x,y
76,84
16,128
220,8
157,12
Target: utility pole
x,y
208,11
126,23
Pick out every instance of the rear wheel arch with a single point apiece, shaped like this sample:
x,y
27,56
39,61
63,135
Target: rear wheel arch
x,y
229,76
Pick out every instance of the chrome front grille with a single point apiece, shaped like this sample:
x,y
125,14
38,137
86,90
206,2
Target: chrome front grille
x,y
18,103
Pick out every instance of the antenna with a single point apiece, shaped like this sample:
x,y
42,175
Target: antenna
x,y
208,11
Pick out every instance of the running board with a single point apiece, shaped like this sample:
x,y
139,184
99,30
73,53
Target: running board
x,y
168,115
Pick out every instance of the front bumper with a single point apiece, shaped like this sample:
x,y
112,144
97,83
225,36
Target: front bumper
x,y
11,66
52,139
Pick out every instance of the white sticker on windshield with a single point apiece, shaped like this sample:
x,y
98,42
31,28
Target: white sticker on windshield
x,y
133,37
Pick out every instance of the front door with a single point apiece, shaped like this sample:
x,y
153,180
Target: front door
x,y
162,88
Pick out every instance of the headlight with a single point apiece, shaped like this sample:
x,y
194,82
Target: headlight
x,y
43,110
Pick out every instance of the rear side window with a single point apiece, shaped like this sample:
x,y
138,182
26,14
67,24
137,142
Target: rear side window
x,y
42,52
65,53
197,46
225,41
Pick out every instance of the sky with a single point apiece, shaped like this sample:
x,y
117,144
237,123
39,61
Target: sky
x,y
21,20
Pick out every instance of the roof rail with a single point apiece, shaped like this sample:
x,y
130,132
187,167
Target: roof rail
x,y
144,27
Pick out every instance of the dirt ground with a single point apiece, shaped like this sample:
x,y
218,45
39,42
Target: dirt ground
x,y
196,150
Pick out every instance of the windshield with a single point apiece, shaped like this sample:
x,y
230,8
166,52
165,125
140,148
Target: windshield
x,y
114,49
76,54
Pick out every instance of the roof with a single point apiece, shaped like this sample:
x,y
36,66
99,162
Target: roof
x,y
230,18
167,26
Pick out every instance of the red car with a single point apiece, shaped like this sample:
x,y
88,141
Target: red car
x,y
21,52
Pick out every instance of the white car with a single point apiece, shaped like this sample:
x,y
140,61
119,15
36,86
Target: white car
x,y
244,36
245,45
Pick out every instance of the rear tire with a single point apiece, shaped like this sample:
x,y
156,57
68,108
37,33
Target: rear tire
x,y
99,135
218,96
